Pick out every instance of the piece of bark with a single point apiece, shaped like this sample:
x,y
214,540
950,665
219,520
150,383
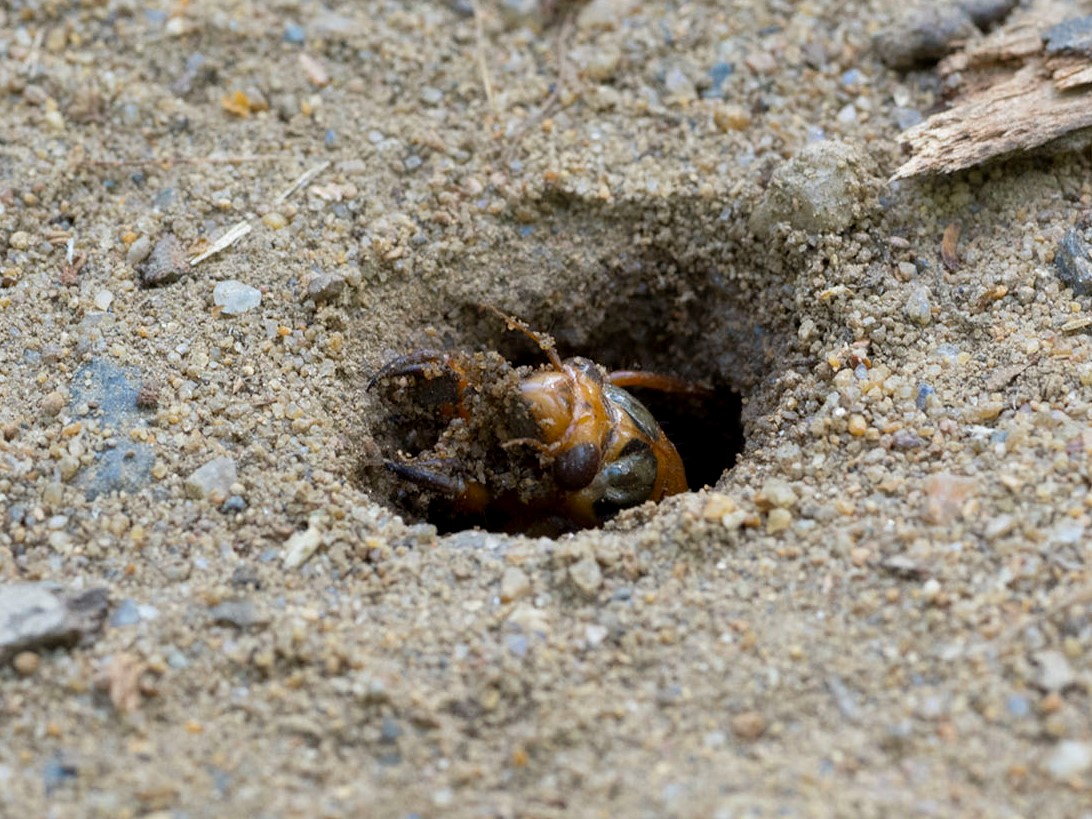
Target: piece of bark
x,y
1020,89
1017,115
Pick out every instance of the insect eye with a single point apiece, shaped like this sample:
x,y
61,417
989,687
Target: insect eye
x,y
575,468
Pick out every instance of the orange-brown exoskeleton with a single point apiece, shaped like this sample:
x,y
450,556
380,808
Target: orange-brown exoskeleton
x,y
596,449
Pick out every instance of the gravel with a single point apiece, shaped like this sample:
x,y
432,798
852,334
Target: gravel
x,y
874,611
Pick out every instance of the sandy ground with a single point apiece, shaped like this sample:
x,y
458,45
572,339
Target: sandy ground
x,y
883,609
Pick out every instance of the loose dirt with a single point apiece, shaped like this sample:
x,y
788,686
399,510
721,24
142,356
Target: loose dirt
x,y
883,608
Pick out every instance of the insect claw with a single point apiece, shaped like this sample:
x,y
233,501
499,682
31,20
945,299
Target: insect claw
x,y
433,479
466,496
427,363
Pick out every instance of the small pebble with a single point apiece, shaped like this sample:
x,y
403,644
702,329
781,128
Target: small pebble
x,y
215,477
431,96
826,188
922,35
1070,37
300,546
731,117
274,220
917,307
515,585
1018,706
775,493
586,576
235,503
604,14
595,634
241,614
778,521
325,287
602,64
749,725
1073,261
313,70
126,614
166,263
1055,672
521,13
295,34
19,240
945,495
26,663
234,298
138,251
53,403
678,85
1069,759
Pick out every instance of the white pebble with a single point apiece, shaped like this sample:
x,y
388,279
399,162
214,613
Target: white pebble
x,y
233,297
1069,759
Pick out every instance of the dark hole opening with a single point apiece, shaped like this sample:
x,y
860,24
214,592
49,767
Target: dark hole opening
x,y
707,431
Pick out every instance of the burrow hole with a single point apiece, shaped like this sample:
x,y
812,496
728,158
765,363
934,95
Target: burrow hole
x,y
697,326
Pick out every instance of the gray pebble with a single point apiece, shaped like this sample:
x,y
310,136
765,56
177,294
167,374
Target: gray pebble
x,y
827,187
234,298
166,264
517,644
923,35
216,476
586,576
1072,36
126,614
38,615
390,730
325,286
917,307
986,13
238,613
1074,263
138,251
235,503
245,575
164,199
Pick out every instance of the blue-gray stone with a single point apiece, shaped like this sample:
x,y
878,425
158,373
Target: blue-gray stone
x,y
717,75
922,399
112,391
390,730
1073,36
126,614
295,34
1074,263
56,772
